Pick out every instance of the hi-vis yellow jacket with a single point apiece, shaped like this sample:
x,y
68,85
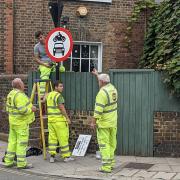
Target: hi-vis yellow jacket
x,y
19,109
105,111
54,113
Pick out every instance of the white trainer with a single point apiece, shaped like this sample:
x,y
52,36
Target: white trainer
x,y
68,159
51,159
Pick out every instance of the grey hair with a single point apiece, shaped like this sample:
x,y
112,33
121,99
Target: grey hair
x,y
15,82
104,78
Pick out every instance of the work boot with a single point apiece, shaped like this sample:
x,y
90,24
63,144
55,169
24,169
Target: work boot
x,y
52,159
104,171
28,166
9,165
67,159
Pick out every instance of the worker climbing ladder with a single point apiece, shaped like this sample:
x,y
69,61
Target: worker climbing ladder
x,y
36,96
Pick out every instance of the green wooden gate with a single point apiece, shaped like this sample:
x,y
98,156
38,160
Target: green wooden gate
x,y
136,105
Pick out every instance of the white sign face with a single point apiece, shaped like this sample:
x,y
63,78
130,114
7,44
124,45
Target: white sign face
x,y
81,145
106,1
59,44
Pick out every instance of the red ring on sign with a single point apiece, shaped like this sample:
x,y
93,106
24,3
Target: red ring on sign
x,y
70,49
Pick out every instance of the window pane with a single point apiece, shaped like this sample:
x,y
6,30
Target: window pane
x,y
66,64
94,52
84,65
85,51
76,51
75,65
93,64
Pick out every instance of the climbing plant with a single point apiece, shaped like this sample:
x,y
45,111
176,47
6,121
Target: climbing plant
x,y
139,7
162,43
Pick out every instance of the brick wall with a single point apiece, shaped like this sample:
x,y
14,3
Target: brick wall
x,y
167,134
2,24
105,23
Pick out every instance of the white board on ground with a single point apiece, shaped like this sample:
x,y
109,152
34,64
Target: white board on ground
x,y
81,145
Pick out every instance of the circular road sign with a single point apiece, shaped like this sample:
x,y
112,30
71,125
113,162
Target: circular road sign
x,y
59,44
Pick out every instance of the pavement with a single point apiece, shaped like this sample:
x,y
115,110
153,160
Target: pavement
x,y
127,167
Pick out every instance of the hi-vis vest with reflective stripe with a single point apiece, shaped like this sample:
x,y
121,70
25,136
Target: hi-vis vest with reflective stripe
x,y
106,107
54,113
19,108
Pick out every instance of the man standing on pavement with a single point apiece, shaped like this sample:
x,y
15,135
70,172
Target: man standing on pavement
x,y
41,58
21,114
105,120
58,121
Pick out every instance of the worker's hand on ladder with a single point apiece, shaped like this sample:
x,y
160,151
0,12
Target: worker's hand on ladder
x,y
33,108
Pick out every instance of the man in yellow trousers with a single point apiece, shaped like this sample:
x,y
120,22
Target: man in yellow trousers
x,y
46,66
21,114
58,121
105,120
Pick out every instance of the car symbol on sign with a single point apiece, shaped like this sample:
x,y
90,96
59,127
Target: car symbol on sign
x,y
58,48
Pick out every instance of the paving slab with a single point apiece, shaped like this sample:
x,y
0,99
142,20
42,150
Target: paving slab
x,y
160,160
144,174
173,161
128,178
177,177
150,160
164,175
176,168
126,158
127,172
161,168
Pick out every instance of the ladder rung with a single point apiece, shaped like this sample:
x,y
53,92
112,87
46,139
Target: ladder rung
x,y
38,127
46,130
45,117
35,104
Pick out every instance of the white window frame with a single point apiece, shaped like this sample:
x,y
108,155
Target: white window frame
x,y
100,49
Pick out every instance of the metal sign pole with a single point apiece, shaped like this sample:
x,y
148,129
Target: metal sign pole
x,y
60,9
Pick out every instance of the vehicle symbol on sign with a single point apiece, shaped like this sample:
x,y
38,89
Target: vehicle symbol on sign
x,y
58,48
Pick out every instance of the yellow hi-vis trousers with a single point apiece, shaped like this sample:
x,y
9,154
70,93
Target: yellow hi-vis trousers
x,y
17,144
59,133
107,144
44,74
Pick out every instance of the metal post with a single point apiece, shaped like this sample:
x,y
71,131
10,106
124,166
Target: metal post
x,y
60,8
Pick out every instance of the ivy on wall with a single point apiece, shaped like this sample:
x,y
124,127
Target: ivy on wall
x,y
162,43
140,6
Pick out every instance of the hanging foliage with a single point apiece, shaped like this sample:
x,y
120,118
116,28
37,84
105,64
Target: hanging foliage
x,y
162,43
139,7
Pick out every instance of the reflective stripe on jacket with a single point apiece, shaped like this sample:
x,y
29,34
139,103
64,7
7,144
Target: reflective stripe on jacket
x,y
54,113
106,107
19,108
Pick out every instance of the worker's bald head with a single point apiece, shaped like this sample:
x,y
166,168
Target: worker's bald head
x,y
18,84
